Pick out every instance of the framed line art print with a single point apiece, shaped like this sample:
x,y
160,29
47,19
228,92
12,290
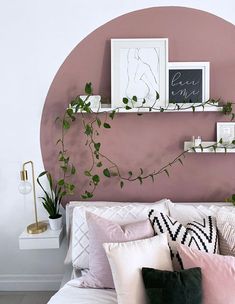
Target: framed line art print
x,y
226,132
139,68
189,82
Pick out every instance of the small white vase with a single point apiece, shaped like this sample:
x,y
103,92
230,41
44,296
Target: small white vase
x,y
55,224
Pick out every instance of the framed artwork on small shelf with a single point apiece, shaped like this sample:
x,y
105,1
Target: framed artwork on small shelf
x,y
226,133
139,68
189,82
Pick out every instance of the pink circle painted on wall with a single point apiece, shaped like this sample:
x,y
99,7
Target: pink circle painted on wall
x,y
153,139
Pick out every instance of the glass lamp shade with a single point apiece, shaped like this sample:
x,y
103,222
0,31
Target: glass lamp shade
x,y
25,187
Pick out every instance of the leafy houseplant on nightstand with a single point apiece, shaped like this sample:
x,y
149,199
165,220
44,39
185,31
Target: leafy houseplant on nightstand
x,y
52,200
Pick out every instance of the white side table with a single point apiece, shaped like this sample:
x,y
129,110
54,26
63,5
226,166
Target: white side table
x,y
49,239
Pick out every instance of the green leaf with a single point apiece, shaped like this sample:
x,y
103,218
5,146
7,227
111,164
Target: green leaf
x,y
125,100
180,160
42,174
128,108
106,172
96,179
73,170
64,168
167,173
70,112
99,164
157,95
130,173
121,184
193,108
88,130
141,171
97,146
88,88
194,150
71,187
221,141
106,125
87,173
162,109
66,124
201,147
111,115
232,117
233,197
144,101
87,195
98,122
61,182
233,142
134,98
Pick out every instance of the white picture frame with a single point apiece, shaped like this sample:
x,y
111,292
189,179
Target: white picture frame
x,y
195,70
145,62
226,132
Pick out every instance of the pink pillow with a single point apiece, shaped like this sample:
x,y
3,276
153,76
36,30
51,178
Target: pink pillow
x,y
218,274
104,231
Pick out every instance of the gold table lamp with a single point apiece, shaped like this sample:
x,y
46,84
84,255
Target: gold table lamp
x,y
24,188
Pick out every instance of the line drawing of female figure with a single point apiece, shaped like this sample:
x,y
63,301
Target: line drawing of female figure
x,y
143,74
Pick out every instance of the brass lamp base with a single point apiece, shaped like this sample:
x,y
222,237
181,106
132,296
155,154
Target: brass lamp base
x,y
37,228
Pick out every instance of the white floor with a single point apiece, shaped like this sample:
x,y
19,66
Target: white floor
x,y
32,297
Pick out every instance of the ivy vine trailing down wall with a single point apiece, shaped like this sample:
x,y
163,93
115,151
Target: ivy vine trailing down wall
x,y
92,128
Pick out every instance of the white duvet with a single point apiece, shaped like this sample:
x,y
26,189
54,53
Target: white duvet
x,y
74,295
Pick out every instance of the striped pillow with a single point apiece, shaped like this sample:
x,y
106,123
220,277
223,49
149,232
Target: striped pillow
x,y
201,234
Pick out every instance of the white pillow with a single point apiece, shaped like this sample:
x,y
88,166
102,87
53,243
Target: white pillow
x,y
226,230
69,219
120,214
126,261
185,213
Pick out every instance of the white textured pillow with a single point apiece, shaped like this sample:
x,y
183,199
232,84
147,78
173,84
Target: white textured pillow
x,y
126,261
226,230
69,219
120,214
185,213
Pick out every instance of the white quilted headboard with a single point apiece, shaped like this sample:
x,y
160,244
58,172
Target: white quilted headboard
x,y
71,205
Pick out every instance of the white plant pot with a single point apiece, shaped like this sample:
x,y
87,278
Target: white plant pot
x,y
55,224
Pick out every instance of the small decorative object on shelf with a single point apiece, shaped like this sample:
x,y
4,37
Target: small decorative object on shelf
x,y
52,200
226,132
197,141
25,188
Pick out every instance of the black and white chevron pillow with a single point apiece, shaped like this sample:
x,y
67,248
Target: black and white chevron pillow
x,y
201,235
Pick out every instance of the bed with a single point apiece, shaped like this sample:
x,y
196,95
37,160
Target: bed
x,y
69,294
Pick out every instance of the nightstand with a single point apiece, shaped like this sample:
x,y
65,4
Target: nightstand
x,y
50,239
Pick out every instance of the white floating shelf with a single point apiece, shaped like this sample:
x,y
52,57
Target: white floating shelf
x,y
48,239
169,109
189,144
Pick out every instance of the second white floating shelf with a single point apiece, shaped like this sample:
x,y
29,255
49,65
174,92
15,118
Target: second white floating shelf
x,y
189,144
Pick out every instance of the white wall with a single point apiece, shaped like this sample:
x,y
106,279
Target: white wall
x,y
35,38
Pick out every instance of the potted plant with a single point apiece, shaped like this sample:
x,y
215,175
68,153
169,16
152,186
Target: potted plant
x,y
52,200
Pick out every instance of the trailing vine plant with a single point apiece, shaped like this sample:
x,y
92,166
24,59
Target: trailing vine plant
x,y
107,167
